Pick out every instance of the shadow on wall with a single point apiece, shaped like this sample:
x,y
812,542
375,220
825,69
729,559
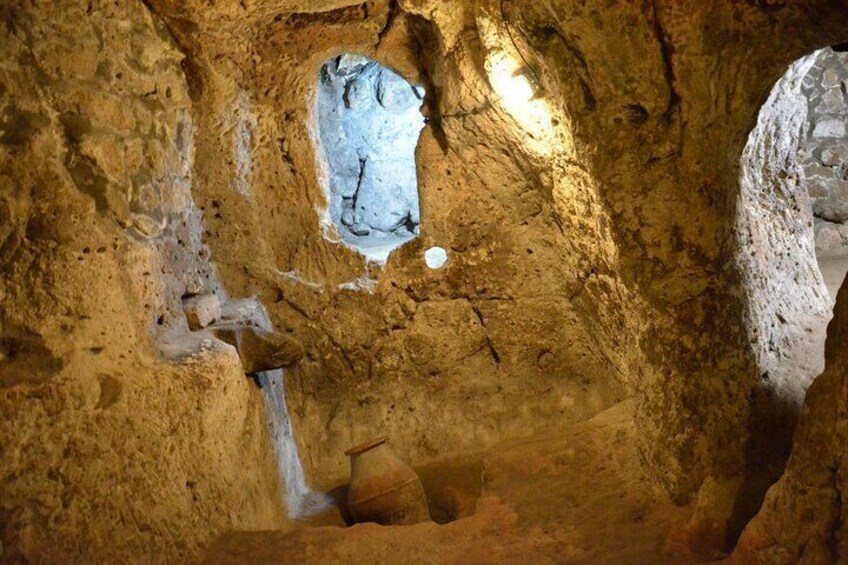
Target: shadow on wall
x,y
369,123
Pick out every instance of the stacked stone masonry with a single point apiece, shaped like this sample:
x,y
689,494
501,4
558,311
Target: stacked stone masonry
x,y
824,153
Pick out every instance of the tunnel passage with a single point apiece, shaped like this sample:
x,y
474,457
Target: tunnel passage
x,y
793,223
369,122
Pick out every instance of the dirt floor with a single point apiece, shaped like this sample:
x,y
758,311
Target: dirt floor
x,y
580,497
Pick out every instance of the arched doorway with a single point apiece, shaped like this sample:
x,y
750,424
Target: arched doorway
x,y
792,225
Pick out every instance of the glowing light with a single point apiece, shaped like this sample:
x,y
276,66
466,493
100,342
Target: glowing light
x,y
517,94
520,89
512,85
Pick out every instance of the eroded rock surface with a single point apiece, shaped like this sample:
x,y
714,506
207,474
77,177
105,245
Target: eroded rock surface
x,y
590,226
110,450
580,496
800,521
495,344
787,302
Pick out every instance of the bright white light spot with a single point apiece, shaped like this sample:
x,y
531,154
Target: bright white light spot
x,y
510,83
516,94
435,257
519,90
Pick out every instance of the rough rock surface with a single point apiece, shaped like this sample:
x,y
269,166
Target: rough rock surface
x,y
802,516
588,262
591,232
501,342
576,497
202,310
787,302
790,248
110,448
259,349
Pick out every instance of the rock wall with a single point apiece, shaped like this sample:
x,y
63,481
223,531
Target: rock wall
x,y
801,518
120,435
668,110
501,342
788,216
590,258
787,303
590,232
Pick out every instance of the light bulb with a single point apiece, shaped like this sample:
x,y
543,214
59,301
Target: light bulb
x,y
519,90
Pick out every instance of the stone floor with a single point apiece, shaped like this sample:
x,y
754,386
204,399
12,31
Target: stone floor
x,y
579,497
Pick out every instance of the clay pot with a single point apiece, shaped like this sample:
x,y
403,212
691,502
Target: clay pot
x,y
384,489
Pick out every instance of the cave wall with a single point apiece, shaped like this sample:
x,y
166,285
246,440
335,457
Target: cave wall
x,y
500,343
787,304
590,259
802,516
665,161
665,111
119,435
630,287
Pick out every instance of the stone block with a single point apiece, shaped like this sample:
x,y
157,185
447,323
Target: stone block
x,y
201,311
833,102
830,127
830,239
245,312
260,349
817,188
817,173
835,155
831,76
833,207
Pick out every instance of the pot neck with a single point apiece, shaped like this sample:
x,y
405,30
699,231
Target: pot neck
x,y
366,447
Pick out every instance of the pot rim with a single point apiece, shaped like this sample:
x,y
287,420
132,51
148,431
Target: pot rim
x,y
366,446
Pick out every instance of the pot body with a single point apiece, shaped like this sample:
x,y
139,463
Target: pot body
x,y
384,489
